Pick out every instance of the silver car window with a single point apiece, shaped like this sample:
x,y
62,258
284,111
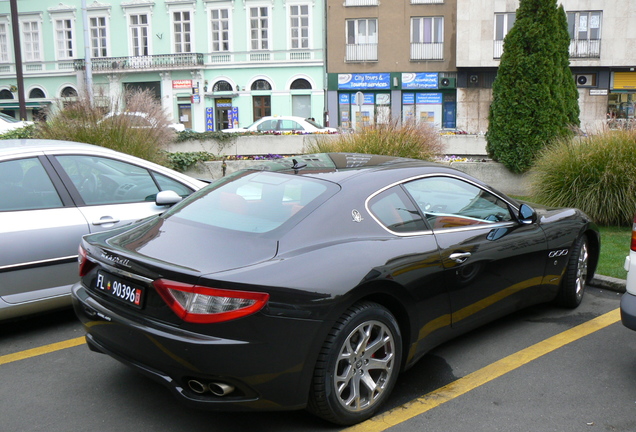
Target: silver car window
x,y
102,180
25,185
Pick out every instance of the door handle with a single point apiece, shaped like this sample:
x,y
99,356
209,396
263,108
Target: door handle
x,y
105,220
460,257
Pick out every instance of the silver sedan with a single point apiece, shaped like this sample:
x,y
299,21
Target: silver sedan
x,y
52,193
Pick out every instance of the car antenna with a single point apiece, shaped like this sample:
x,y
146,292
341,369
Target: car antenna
x,y
297,166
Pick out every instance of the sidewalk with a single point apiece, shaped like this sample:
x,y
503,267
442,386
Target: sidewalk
x,y
608,283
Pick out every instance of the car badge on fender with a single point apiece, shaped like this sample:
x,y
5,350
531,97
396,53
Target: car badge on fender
x,y
357,217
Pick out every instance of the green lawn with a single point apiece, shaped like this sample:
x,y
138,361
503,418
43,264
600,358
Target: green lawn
x,y
614,248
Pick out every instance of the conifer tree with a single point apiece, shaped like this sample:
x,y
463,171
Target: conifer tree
x,y
535,99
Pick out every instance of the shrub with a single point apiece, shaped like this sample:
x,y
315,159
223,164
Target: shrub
x,y
393,139
82,121
20,133
596,174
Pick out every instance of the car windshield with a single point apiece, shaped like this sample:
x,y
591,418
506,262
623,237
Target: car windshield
x,y
313,123
8,118
256,202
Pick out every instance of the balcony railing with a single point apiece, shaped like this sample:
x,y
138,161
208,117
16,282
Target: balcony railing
x,y
585,48
427,51
497,49
426,1
361,2
361,52
160,61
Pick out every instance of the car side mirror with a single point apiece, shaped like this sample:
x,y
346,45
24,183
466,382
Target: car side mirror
x,y
527,215
167,198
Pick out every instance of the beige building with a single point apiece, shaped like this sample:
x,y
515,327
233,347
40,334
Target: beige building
x,y
391,60
435,60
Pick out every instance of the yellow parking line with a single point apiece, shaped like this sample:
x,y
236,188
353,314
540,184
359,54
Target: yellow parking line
x,y
33,352
482,376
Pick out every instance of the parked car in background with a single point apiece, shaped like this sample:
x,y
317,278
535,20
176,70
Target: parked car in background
x,y
140,120
284,124
628,300
314,281
52,193
8,123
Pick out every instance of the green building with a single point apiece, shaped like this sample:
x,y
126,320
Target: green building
x,y
212,63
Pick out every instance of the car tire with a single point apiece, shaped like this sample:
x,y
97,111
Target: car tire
x,y
575,277
362,350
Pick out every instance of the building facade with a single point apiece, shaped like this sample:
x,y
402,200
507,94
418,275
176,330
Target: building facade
x,y
602,58
213,63
391,60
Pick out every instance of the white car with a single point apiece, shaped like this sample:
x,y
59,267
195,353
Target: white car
x,y
628,300
283,124
141,120
8,123
54,192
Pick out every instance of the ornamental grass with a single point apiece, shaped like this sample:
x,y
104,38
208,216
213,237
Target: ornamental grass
x,y
596,174
408,140
80,120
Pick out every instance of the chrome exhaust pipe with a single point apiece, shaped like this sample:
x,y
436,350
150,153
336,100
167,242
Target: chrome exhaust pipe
x,y
197,386
220,389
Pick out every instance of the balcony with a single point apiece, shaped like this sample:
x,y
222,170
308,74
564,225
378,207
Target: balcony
x,y
361,52
585,48
427,51
143,63
427,1
361,3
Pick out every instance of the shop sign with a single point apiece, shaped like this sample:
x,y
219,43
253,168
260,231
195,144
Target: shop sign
x,y
598,92
181,84
408,98
429,98
209,119
344,99
224,103
369,81
424,80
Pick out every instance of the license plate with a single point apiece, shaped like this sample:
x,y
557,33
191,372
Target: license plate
x,y
119,289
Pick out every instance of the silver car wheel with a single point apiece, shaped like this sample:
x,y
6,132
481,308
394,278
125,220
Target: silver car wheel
x,y
581,270
364,366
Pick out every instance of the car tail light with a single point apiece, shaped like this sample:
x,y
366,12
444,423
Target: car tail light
x,y
633,246
84,264
199,304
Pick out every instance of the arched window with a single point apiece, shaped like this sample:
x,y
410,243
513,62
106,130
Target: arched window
x,y
36,93
6,94
222,86
261,85
69,92
301,84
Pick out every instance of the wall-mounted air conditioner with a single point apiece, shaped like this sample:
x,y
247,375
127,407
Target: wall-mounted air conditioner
x,y
585,80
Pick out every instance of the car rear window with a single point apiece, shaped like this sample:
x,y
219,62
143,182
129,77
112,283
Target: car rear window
x,y
256,202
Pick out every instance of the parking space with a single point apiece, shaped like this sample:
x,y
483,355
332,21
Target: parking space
x,y
587,382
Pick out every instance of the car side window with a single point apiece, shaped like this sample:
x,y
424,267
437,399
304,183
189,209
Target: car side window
x,y
449,202
395,211
267,125
102,180
166,183
290,125
25,185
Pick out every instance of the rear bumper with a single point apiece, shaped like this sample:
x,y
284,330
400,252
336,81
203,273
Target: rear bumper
x,y
268,368
628,310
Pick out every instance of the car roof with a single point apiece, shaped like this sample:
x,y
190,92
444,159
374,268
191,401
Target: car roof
x,y
340,166
17,146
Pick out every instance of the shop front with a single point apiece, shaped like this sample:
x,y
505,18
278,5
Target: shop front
x,y
375,98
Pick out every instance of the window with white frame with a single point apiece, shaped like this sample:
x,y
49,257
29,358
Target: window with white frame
x,y
427,38
503,24
220,29
299,26
259,28
182,27
64,38
362,39
31,45
4,43
585,33
99,36
139,35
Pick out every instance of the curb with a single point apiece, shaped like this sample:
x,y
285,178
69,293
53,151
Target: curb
x,y
608,283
